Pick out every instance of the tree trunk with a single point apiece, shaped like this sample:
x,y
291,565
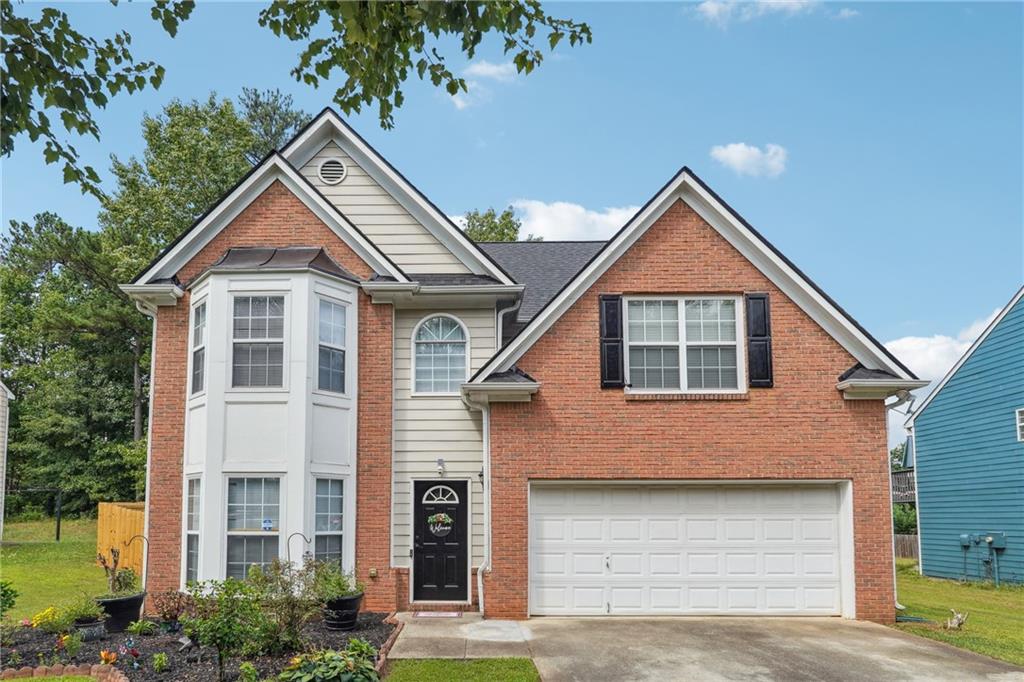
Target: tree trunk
x,y
137,390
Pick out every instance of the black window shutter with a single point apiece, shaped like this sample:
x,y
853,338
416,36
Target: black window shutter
x,y
612,373
759,341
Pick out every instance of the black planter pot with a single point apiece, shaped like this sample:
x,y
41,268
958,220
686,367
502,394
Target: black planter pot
x,y
90,631
122,611
341,613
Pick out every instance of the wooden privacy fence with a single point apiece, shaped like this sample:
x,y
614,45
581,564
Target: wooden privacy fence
x,y
118,522
906,546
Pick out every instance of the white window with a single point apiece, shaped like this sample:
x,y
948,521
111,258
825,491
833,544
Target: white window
x,y
684,344
192,531
254,520
257,357
1020,424
331,349
328,519
440,355
198,348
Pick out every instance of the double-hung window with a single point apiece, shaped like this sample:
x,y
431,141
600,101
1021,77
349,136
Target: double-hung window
x,y
331,349
254,522
257,356
198,347
328,519
192,531
684,344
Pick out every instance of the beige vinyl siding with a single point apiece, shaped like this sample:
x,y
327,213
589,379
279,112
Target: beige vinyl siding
x,y
379,215
428,427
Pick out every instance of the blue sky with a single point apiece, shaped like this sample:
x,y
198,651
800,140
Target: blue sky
x,y
878,145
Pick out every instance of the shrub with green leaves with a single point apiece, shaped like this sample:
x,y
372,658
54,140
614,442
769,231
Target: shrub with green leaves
x,y
354,664
247,672
160,662
285,593
330,582
83,609
142,627
8,595
228,617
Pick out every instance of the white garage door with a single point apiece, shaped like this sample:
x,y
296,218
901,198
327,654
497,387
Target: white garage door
x,y
694,549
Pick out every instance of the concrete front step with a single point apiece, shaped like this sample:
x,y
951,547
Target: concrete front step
x,y
468,636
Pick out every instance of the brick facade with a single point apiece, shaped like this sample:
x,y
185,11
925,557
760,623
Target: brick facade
x,y
275,219
800,429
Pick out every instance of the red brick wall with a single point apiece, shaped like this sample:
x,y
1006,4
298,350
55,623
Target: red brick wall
x,y
800,429
277,218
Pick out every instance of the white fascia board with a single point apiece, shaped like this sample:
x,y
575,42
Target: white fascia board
x,y
155,294
272,169
501,391
909,423
441,295
874,389
310,141
685,187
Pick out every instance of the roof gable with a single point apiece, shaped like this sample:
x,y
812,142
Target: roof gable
x,y
273,168
1014,302
329,127
687,187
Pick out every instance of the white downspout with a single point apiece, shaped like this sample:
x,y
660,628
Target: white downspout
x,y
901,398
150,311
485,564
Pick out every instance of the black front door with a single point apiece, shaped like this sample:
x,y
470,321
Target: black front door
x,y
440,524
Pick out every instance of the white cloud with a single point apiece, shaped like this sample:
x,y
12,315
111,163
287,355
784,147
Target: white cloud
x,y
847,13
931,357
505,71
722,12
564,220
745,159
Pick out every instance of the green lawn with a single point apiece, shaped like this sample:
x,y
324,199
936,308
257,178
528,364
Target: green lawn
x,y
995,626
473,670
44,572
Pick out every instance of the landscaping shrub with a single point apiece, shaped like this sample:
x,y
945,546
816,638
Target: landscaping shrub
x,y
354,664
142,627
228,617
285,593
8,595
330,582
83,610
160,662
904,519
171,605
52,620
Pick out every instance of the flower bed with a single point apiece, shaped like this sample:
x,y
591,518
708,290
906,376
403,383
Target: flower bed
x,y
198,665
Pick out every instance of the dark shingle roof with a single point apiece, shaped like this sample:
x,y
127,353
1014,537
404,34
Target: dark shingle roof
x,y
286,258
452,279
859,371
514,376
544,267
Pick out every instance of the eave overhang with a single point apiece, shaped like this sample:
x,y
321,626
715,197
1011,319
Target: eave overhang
x,y
148,297
501,391
876,389
414,294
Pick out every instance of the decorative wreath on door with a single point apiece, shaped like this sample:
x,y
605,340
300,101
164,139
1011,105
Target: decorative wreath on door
x,y
440,524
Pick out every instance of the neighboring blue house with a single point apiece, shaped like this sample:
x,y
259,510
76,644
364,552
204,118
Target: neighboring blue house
x,y
968,439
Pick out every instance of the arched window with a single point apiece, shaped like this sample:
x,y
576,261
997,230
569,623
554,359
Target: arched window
x,y
439,355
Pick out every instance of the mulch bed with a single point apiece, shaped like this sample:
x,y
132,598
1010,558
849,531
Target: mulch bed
x,y
184,666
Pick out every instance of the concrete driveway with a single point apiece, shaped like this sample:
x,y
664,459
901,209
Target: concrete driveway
x,y
705,649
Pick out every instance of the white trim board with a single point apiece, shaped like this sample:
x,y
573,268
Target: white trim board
x,y
273,168
687,187
328,126
909,423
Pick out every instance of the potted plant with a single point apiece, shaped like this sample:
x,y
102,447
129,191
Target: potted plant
x,y
123,601
340,594
87,618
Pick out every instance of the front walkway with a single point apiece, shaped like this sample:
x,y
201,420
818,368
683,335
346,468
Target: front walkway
x,y
711,649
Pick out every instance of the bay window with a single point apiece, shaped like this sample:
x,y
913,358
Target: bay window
x,y
192,531
198,347
257,355
331,347
683,344
254,523
327,525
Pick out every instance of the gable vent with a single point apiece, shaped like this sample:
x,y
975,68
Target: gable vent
x,y
332,171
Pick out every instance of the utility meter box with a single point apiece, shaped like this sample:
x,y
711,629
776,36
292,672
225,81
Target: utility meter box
x,y
995,540
965,540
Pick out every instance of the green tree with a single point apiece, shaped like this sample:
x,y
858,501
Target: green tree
x,y
904,519
490,226
273,119
49,67
896,456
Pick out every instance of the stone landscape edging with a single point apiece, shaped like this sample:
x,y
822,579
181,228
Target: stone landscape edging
x,y
97,671
382,654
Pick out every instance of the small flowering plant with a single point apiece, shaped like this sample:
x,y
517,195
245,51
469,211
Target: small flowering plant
x,y
108,657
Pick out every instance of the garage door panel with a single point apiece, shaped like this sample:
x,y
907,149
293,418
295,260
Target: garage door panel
x,y
684,549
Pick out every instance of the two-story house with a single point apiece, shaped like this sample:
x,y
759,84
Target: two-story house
x,y
675,421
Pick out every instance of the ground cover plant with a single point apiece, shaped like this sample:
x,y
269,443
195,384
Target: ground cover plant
x,y
995,625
